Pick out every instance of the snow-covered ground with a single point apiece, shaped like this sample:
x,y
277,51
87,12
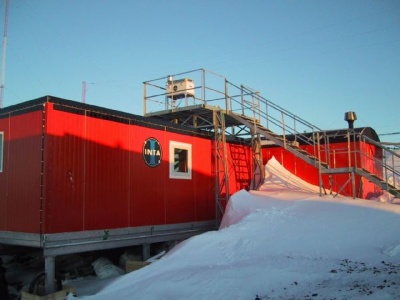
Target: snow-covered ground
x,y
282,242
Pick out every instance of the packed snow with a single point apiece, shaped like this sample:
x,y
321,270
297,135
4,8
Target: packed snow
x,y
282,242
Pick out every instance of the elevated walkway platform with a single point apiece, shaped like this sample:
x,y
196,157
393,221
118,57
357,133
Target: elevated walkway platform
x,y
198,116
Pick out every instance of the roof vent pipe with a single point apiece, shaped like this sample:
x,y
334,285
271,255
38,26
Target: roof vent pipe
x,y
350,117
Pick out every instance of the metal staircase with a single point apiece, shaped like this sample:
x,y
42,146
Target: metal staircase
x,y
282,141
322,155
387,180
375,168
384,185
225,109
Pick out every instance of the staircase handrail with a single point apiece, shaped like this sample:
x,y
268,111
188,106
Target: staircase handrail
x,y
383,162
258,113
256,110
286,112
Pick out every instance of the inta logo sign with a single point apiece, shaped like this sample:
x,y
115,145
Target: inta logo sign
x,y
152,152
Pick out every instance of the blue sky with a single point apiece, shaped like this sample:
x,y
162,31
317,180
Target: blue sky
x,y
317,59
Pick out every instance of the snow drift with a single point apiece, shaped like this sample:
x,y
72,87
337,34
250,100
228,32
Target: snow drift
x,y
282,242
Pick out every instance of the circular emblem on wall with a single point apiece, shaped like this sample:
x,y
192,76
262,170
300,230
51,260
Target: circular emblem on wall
x,y
152,152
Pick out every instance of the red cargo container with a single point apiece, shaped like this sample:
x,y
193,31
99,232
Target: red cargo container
x,y
76,174
77,177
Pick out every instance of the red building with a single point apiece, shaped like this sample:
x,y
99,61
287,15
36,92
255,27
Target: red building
x,y
72,171
76,177
345,153
70,167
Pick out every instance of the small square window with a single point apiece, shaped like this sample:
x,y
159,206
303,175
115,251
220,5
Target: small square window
x,y
180,160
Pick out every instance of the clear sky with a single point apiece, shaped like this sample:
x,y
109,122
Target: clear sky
x,y
317,59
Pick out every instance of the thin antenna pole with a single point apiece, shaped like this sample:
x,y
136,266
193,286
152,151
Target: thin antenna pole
x,y
84,92
3,56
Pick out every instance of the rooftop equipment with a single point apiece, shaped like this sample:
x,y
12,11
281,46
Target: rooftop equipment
x,y
181,88
350,117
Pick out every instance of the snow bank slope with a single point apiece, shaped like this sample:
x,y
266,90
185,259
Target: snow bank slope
x,y
280,243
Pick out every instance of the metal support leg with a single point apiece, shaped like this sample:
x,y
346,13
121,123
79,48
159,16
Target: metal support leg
x,y
50,270
146,252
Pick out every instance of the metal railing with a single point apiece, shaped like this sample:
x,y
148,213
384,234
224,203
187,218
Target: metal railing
x,y
276,123
387,170
365,157
215,90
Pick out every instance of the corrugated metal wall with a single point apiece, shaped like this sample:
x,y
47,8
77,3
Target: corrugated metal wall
x,y
20,181
94,173
64,171
96,177
339,159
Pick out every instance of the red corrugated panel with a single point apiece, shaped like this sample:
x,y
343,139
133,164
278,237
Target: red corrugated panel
x,y
3,187
339,158
4,125
64,173
22,172
203,180
107,174
371,161
148,184
307,172
97,178
158,199
181,193
88,173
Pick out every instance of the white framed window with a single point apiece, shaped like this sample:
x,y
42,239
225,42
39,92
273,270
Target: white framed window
x,y
1,150
180,160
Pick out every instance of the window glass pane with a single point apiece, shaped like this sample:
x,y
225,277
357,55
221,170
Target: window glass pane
x,y
180,160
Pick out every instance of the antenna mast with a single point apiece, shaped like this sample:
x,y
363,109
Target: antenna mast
x,y
3,56
84,92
